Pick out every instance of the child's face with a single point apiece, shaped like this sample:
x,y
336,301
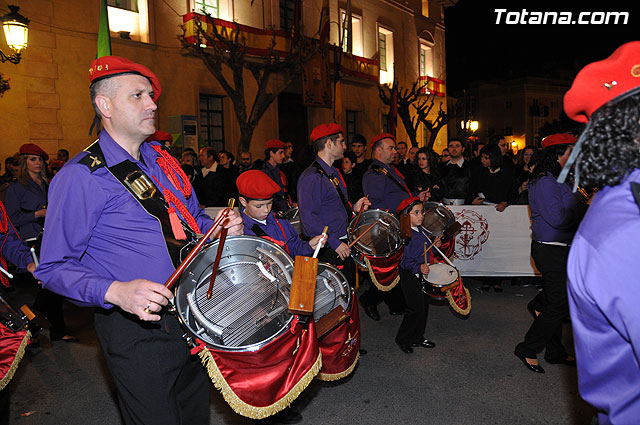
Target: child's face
x,y
347,165
417,215
257,209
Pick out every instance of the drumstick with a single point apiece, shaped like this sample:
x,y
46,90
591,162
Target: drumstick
x,y
324,236
441,253
362,234
216,263
359,213
178,271
35,259
9,275
425,254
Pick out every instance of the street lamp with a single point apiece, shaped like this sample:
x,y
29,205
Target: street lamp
x,y
469,125
16,29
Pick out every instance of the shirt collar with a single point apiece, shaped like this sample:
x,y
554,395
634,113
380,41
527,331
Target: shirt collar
x,y
329,169
115,154
459,163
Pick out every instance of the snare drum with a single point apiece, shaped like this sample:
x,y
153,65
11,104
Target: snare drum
x,y
249,304
440,275
383,240
437,218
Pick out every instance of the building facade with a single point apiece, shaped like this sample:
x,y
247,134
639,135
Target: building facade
x,y
48,103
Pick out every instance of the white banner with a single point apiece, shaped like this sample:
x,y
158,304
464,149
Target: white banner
x,y
493,243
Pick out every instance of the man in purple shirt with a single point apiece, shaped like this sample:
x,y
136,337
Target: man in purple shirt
x,y
103,248
603,262
322,196
13,248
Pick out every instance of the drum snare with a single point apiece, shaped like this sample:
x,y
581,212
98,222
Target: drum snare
x,y
440,275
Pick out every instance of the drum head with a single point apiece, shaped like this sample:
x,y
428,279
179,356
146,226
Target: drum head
x,y
382,240
441,274
437,218
249,304
332,291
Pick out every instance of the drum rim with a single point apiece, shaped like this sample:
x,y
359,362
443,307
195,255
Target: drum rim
x,y
444,284
245,348
452,216
362,254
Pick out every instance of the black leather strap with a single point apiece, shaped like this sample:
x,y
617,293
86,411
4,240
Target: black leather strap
x,y
336,183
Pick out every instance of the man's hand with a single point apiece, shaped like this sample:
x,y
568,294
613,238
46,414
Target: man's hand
x,y
501,206
40,213
31,267
478,201
358,205
343,250
318,239
140,297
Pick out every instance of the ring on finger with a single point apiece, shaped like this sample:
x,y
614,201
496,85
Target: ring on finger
x,y
148,309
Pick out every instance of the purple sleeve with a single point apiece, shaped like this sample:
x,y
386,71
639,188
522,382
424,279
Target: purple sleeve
x,y
296,245
76,203
15,250
413,256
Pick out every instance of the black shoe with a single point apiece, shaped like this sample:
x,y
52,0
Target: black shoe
x,y
566,361
406,348
483,288
532,367
398,312
370,310
425,343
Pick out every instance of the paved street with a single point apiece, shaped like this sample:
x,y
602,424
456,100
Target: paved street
x,y
471,377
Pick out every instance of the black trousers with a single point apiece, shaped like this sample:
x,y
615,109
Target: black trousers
x,y
50,304
393,298
413,323
546,331
156,378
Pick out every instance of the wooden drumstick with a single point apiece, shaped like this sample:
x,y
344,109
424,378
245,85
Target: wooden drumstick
x,y
216,263
324,236
178,271
363,233
359,213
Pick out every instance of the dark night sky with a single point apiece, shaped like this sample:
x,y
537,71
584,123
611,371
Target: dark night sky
x,y
478,48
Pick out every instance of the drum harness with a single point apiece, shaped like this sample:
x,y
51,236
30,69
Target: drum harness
x,y
336,183
381,170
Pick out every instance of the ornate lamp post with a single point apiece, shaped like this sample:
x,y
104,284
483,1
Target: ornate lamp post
x,y
16,29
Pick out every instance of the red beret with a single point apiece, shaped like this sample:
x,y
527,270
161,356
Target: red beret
x,y
558,139
382,136
600,82
407,203
56,164
324,130
110,66
160,136
255,184
33,149
275,144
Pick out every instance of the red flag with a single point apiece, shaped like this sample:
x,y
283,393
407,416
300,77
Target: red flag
x,y
392,118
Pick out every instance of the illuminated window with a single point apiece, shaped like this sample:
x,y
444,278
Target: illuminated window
x,y
356,30
131,5
129,18
426,60
212,121
208,6
425,8
385,51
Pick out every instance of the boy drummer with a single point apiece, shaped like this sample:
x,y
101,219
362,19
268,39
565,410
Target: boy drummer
x,y
256,192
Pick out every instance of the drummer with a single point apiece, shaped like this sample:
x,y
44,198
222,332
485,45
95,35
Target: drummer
x,y
413,264
322,197
256,192
102,248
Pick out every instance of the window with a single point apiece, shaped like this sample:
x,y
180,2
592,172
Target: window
x,y
129,18
356,31
287,11
425,8
211,7
351,124
212,121
131,5
426,60
385,50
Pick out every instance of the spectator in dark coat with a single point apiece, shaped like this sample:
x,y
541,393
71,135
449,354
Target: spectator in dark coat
x,y
352,179
423,175
493,183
